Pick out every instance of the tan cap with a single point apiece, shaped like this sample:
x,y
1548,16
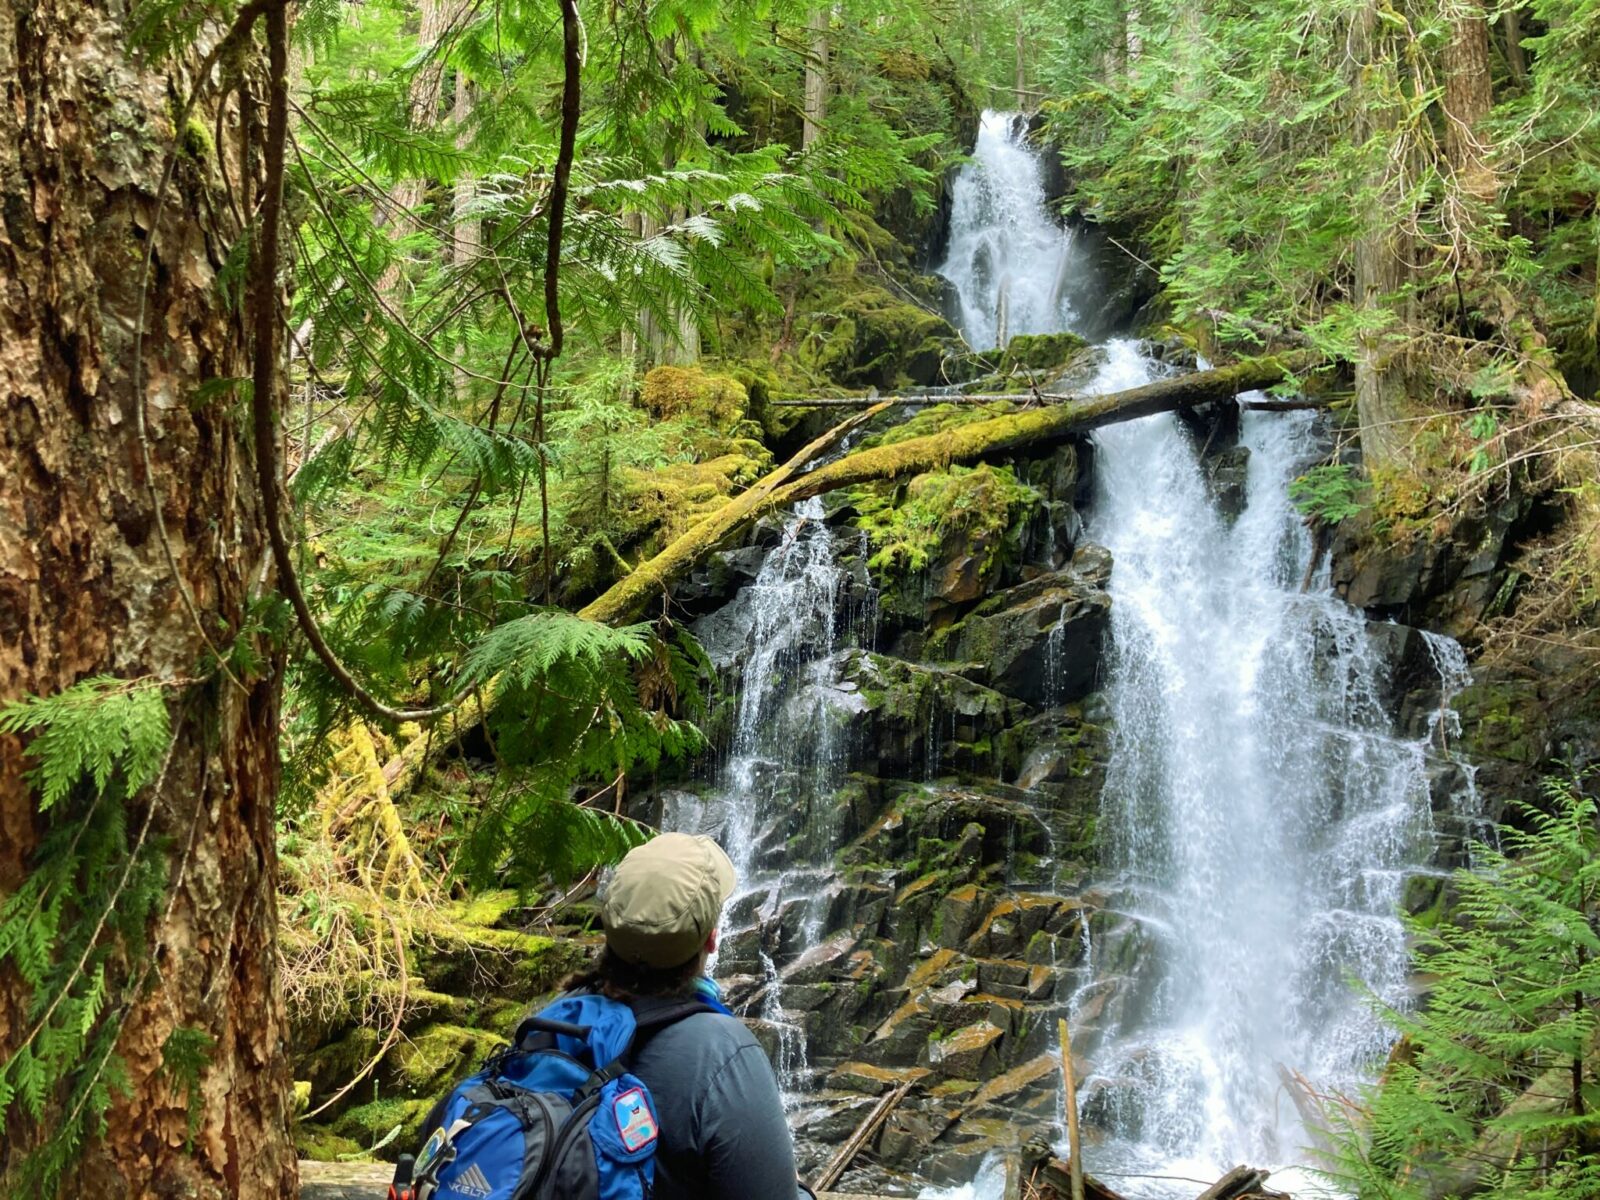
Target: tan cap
x,y
664,899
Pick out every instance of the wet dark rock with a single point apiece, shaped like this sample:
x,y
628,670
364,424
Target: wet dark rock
x,y
1040,641
968,1053
715,580
1227,474
1445,583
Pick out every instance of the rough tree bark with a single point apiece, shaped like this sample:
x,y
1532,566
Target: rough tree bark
x,y
1380,249
85,585
1468,97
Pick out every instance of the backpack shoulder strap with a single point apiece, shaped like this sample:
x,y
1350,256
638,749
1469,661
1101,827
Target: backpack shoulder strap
x,y
651,1016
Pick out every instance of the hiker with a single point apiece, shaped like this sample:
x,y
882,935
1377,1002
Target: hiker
x,y
723,1133
637,1082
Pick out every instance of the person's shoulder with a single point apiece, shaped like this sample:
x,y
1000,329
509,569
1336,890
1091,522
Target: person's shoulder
x,y
714,1029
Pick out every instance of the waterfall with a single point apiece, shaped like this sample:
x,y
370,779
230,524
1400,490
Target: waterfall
x,y
770,799
1007,260
1261,812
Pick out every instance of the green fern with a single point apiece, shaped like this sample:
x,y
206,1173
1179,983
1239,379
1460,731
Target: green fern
x,y
1496,1092
82,913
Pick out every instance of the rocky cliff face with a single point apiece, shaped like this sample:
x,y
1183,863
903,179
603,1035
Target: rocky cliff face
x,y
922,909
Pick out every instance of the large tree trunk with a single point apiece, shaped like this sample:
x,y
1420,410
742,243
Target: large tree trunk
x,y
1468,97
86,588
1380,254
427,89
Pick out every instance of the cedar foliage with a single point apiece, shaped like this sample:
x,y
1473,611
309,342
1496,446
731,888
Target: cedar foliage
x,y
1495,1087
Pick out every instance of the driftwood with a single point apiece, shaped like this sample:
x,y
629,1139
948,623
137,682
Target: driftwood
x,y
863,1134
629,598
1074,1143
1054,1178
1241,1183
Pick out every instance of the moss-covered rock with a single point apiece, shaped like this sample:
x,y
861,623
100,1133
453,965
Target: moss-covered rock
x,y
367,1125
1040,353
320,1144
868,337
939,541
718,401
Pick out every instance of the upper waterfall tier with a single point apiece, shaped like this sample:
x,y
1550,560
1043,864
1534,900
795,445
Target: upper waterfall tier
x,y
1009,261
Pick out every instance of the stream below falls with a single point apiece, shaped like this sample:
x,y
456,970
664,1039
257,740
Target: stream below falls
x,y
1261,772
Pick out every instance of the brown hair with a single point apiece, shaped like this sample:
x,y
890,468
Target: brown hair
x,y
611,976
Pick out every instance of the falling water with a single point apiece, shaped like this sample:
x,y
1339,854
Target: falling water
x,y
1009,263
794,620
770,800
1261,812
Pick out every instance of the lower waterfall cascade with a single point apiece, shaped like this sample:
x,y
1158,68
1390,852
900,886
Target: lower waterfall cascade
x,y
1261,813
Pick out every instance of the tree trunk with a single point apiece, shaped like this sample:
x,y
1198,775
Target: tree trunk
x,y
1380,267
427,89
1021,86
466,230
1468,97
816,99
86,588
1516,56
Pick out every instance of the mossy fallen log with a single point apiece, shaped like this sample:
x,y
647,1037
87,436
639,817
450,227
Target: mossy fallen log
x,y
629,598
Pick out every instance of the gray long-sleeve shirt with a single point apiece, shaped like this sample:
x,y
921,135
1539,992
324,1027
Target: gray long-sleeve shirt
x,y
723,1133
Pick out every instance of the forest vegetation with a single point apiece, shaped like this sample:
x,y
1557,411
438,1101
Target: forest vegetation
x,y
372,370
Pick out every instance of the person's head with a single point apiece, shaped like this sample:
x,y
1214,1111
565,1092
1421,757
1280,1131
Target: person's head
x,y
660,913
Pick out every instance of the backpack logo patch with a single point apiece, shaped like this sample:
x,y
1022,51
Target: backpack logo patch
x,y
636,1124
473,1182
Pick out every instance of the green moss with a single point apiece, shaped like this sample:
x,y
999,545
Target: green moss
x,y
959,511
320,1144
1040,352
486,910
433,1059
673,392
368,1124
197,143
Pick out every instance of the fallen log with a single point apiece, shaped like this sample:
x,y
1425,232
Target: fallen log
x,y
626,599
629,598
1024,398
863,1134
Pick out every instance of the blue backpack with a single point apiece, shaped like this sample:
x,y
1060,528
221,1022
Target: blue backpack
x,y
556,1115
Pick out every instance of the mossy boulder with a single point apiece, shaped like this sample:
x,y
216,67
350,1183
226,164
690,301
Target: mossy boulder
x,y
428,1063
670,393
367,1125
939,542
871,338
1040,353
